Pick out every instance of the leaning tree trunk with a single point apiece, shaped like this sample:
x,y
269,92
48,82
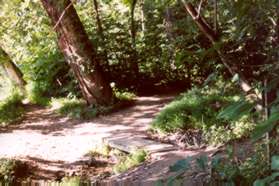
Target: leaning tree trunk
x,y
214,38
12,71
79,52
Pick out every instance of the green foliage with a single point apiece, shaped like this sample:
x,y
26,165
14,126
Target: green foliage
x,y
6,86
271,179
11,108
27,34
202,162
266,126
34,93
186,111
239,129
224,170
180,165
74,108
71,181
123,95
244,172
236,110
130,161
200,109
11,169
101,150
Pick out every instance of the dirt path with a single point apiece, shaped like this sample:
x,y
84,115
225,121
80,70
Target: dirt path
x,y
55,144
52,141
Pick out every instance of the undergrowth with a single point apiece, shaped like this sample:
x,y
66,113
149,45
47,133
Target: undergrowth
x,y
230,168
11,108
199,108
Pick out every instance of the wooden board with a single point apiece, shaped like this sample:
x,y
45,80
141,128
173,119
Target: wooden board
x,y
130,144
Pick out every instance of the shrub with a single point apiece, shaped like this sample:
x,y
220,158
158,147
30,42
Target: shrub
x,y
11,108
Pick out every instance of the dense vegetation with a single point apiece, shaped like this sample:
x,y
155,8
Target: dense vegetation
x,y
83,58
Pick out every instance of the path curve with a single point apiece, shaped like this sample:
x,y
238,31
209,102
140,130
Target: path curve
x,y
45,136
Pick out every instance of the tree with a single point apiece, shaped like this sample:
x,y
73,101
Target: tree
x,y
12,71
100,29
133,35
214,38
79,52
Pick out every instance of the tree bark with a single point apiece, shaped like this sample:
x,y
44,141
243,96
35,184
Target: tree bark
x,y
12,71
79,52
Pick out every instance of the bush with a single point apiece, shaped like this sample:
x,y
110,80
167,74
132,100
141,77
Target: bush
x,y
74,108
11,108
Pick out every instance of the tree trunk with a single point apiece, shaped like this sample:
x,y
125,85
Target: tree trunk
x,y
142,16
98,20
79,52
133,26
12,71
134,62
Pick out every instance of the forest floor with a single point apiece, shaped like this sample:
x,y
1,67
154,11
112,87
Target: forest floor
x,y
57,145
